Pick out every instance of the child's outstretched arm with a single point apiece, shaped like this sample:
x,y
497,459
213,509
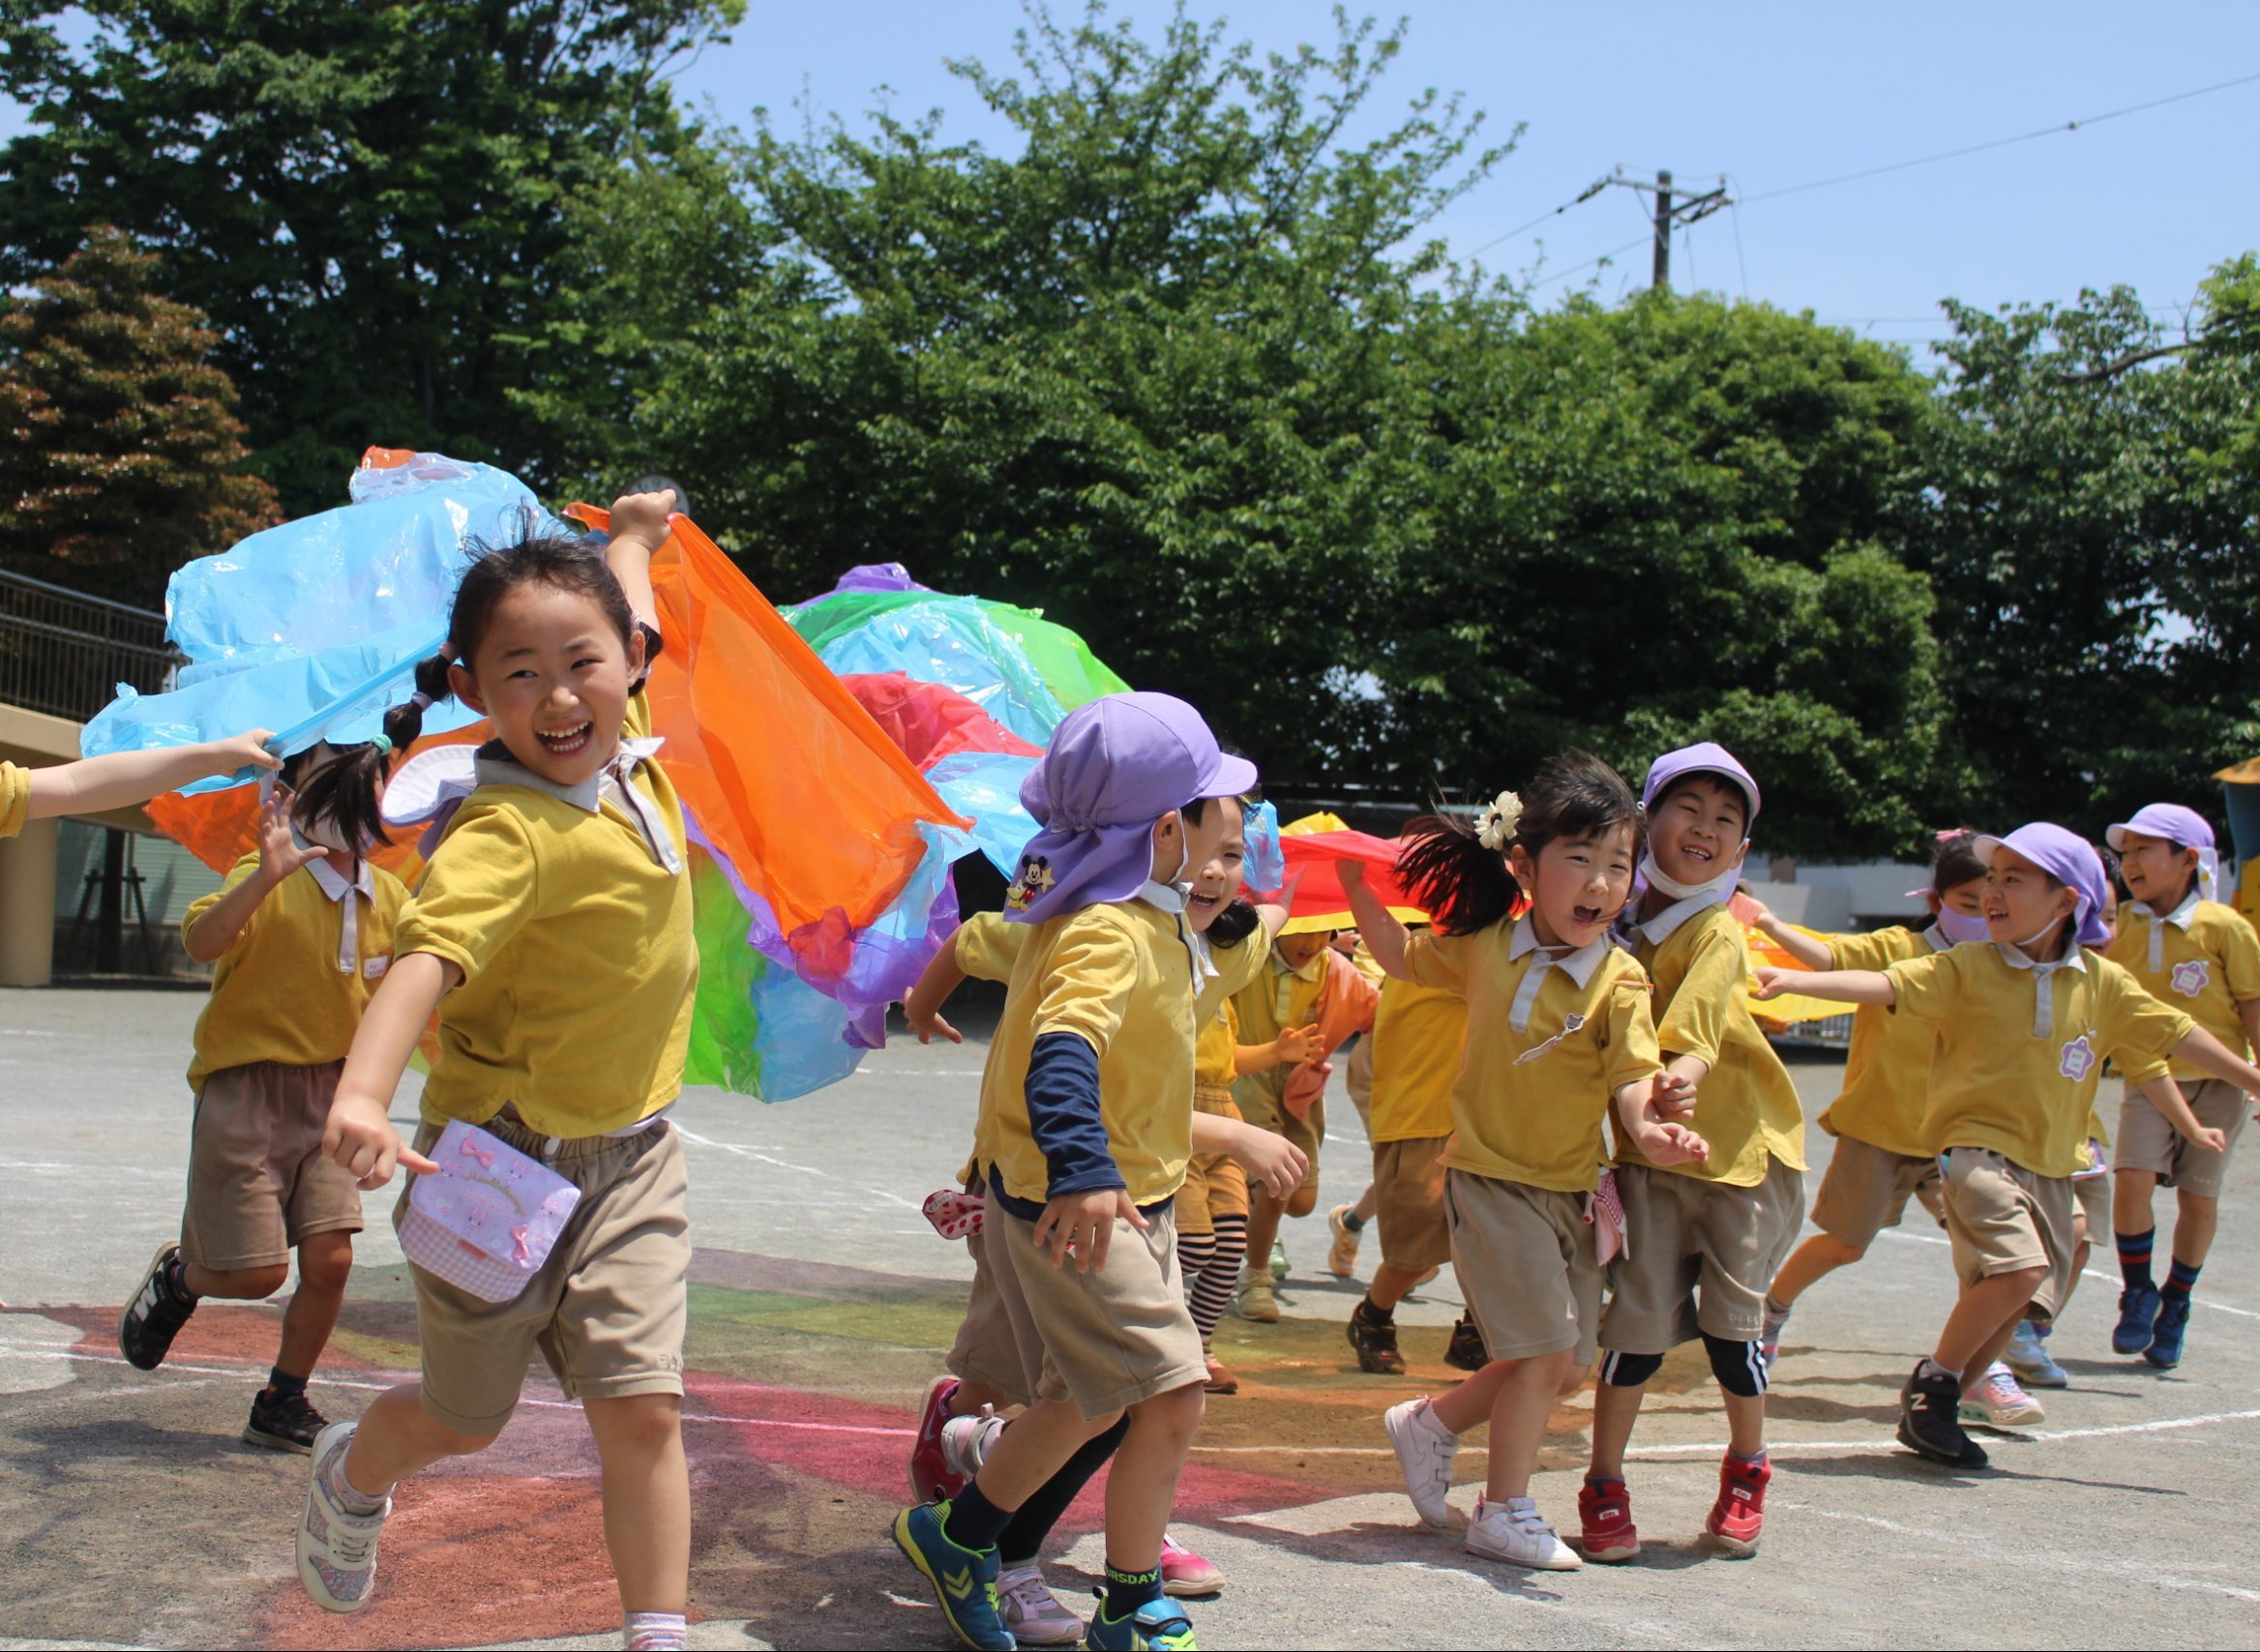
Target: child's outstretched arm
x,y
122,779
2163,1094
1294,1047
1277,1164
1385,937
1840,986
1809,950
639,528
360,1135
922,1003
217,927
2202,1049
1641,1113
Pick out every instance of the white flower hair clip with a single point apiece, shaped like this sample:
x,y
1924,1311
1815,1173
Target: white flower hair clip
x,y
1495,821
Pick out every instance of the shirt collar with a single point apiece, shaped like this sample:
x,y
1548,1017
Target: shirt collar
x,y
1309,971
1660,927
2181,917
1579,965
2017,959
496,767
333,887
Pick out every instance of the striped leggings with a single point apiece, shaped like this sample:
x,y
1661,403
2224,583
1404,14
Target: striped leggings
x,y
1211,1264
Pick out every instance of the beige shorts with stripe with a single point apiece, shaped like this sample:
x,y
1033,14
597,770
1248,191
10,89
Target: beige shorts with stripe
x,y
607,1311
1698,1256
2148,1143
1523,1256
1866,1190
2003,1218
1409,1202
986,1352
259,1185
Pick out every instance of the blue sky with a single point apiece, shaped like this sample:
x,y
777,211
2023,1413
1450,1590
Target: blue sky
x,y
1773,95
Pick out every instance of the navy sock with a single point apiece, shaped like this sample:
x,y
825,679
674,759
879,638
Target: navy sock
x,y
1127,1591
282,1385
974,1521
1352,1221
2134,1258
2180,1277
176,1280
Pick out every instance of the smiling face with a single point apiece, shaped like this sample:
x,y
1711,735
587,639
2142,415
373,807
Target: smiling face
x,y
2158,873
551,673
1219,850
1576,885
2024,905
1298,950
1699,830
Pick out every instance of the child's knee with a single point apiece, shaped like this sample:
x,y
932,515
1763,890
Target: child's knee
x,y
1629,1370
1176,1414
638,1423
1302,1201
1740,1370
325,1263
246,1284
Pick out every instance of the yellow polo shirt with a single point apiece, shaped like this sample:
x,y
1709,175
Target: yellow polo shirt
x,y
575,940
14,799
1417,1034
1886,1075
1747,1107
1528,1106
1214,1049
1999,1084
1274,999
278,992
2208,963
1118,977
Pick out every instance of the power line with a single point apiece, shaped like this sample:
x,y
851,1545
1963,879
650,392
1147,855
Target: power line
x,y
1590,190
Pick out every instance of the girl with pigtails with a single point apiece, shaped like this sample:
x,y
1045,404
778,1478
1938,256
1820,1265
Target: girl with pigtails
x,y
552,934
1559,1038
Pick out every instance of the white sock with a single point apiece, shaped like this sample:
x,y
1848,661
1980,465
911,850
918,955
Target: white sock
x,y
656,1632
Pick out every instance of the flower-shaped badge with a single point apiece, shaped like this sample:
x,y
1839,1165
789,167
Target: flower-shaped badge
x,y
2079,1059
2190,976
1495,821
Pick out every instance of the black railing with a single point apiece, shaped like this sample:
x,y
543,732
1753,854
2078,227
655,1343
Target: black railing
x,y
65,654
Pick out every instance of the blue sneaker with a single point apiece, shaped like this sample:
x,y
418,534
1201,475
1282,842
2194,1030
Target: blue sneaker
x,y
2138,1312
2028,1356
2165,1343
1161,1625
964,1579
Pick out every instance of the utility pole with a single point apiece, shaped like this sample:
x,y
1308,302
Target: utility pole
x,y
1671,213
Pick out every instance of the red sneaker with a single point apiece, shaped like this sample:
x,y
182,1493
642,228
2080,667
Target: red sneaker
x,y
1604,1508
1184,1572
930,1481
1740,1514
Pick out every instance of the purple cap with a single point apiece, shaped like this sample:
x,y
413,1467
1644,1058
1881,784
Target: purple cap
x,y
1114,766
2070,860
1708,758
2168,820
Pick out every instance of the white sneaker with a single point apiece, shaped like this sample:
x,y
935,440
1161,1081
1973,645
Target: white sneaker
x,y
337,1549
1342,1254
1514,1531
967,1442
1998,1402
1036,1617
1424,1451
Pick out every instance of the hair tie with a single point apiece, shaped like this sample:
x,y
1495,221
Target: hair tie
x,y
421,701
1495,821
447,652
382,741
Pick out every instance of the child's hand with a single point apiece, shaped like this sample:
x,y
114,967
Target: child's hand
x,y
1272,1161
643,516
1352,874
927,1022
362,1138
2205,1136
1673,1096
238,751
1672,1144
1082,1225
1774,982
280,853
1297,1044
1761,915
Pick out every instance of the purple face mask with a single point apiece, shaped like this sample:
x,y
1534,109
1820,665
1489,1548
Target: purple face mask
x,y
1962,927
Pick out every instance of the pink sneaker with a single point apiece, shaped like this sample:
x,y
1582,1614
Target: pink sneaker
x,y
931,1478
1184,1572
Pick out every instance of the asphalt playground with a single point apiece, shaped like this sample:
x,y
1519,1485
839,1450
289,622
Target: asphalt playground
x,y
130,1514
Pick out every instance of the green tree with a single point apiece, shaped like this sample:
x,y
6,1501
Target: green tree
x,y
371,199
120,453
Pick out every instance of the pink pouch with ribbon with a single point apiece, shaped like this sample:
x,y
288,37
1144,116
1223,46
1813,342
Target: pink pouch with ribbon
x,y
487,1219
1612,1238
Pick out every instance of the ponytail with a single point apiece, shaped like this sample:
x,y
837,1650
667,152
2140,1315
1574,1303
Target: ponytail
x,y
1234,924
1463,886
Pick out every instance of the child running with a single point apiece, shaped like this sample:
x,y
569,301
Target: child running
x,y
1706,1236
2187,950
552,933
2024,1024
1085,1127
1558,1033
301,931
1877,1119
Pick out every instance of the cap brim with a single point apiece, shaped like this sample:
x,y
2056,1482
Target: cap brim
x,y
1235,777
2115,836
1983,847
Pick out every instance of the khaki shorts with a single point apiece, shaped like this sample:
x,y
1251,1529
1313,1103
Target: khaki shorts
x,y
1408,1200
1698,1256
608,1308
986,1352
258,1183
1358,1079
1216,1184
2148,1143
1526,1265
1259,1104
1105,1339
2092,1195
2004,1218
1866,1190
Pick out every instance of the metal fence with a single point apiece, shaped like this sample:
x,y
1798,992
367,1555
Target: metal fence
x,y
65,654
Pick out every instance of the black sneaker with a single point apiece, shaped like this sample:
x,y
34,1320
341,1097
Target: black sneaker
x,y
155,1316
1374,1340
1929,1420
287,1424
1465,1350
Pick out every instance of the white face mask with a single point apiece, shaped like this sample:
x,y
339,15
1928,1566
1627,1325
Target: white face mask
x,y
1720,887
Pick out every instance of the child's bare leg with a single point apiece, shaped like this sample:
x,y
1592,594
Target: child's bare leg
x,y
396,1436
1390,1285
1519,1410
1144,1483
1036,1447
1469,1405
1745,1423
647,1498
1264,1214
967,1398
324,1263
2131,1193
1985,1315
1615,1410
1817,1258
2196,1219
235,1284
1366,1203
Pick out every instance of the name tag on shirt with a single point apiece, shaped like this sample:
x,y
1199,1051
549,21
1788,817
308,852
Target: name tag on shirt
x,y
372,967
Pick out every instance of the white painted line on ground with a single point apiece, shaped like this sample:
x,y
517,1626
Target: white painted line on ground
x,y
755,1152
2196,1300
